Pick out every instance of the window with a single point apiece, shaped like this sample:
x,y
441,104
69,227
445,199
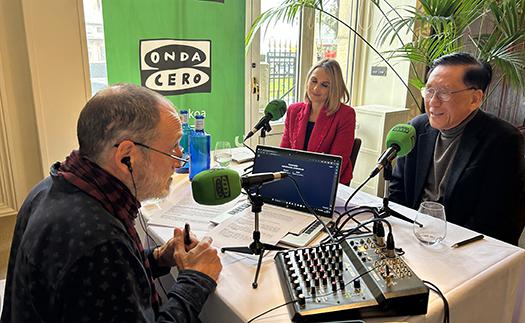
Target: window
x,y
95,44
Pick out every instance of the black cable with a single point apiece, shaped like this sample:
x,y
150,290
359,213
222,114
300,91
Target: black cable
x,y
310,209
446,309
270,310
343,234
250,148
352,230
356,190
142,222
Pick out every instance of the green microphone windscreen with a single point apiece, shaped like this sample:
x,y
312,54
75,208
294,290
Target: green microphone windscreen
x,y
277,108
404,136
216,186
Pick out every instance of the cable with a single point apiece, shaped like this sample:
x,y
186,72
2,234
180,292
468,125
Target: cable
x,y
310,209
446,309
142,222
270,310
250,148
356,190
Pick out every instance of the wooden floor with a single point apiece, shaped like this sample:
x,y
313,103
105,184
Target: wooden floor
x,y
7,224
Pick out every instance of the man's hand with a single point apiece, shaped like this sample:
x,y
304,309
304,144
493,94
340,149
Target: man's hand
x,y
165,253
203,257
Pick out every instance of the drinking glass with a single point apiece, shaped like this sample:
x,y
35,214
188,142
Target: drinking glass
x,y
223,153
432,216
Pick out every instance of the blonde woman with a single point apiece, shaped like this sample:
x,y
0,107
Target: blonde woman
x,y
323,122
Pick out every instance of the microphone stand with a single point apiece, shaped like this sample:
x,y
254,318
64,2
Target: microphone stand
x,y
266,128
385,210
256,247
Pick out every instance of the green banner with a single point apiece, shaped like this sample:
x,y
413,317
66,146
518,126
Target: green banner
x,y
191,51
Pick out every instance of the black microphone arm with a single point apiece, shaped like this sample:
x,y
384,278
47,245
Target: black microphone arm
x,y
261,178
262,122
387,157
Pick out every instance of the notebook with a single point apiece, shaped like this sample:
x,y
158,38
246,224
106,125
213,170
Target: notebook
x,y
317,176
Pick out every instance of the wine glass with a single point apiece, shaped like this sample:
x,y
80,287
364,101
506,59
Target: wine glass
x,y
223,153
434,223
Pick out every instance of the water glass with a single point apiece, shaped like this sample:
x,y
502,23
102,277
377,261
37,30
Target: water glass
x,y
223,153
432,216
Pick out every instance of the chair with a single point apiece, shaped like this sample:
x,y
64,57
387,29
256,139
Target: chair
x,y
355,151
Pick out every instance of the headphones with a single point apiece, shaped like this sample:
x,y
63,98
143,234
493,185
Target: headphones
x,y
127,161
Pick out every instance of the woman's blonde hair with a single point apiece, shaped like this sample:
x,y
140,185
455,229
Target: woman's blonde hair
x,y
337,91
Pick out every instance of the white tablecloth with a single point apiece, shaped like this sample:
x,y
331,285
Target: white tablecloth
x,y
483,281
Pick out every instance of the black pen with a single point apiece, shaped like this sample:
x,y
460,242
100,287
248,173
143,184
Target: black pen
x,y
467,241
187,239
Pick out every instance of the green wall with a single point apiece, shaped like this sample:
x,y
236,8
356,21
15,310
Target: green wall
x,y
218,24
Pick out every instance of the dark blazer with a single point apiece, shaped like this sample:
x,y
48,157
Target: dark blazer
x,y
486,188
332,134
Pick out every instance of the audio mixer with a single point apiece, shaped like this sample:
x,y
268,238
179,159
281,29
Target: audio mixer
x,y
354,279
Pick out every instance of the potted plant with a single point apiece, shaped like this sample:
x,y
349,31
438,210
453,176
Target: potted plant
x,y
493,30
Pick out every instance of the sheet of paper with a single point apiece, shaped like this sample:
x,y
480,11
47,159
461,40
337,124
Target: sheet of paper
x,y
273,225
360,198
187,211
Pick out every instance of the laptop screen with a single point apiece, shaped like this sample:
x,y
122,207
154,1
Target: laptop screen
x,y
317,176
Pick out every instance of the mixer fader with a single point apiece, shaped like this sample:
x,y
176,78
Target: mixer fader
x,y
349,280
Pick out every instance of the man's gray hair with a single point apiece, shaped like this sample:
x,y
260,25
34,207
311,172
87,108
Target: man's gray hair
x,y
122,111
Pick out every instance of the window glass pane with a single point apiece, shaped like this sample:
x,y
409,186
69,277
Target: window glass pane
x,y
95,44
333,39
326,31
279,58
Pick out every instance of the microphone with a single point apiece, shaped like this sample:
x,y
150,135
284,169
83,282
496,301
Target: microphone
x,y
216,186
222,185
261,178
400,140
274,111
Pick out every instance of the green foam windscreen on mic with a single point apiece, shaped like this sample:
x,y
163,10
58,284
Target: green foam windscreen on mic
x,y
277,108
404,136
216,186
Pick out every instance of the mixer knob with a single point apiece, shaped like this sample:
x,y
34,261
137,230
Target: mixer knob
x,y
301,300
357,285
307,282
342,284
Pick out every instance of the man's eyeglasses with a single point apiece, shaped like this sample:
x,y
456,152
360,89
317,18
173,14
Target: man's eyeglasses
x,y
182,160
442,95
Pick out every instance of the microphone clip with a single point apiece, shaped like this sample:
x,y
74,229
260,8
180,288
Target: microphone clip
x,y
265,128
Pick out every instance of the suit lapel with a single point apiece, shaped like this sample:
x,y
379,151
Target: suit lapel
x,y
469,142
322,125
425,152
302,122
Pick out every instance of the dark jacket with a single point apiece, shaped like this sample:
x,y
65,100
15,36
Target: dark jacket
x,y
72,261
485,191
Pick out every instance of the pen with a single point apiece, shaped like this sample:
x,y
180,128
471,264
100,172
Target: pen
x,y
467,241
187,240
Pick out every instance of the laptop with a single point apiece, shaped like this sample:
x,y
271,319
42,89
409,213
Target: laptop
x,y
317,176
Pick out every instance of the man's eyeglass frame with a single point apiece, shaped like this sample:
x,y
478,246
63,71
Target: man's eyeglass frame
x,y
438,92
182,160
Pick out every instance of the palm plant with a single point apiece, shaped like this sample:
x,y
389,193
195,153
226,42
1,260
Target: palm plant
x,y
288,11
440,27
445,26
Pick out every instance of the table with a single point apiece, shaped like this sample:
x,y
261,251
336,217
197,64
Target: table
x,y
483,281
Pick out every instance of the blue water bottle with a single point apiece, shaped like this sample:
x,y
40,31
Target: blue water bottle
x,y
184,141
200,143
